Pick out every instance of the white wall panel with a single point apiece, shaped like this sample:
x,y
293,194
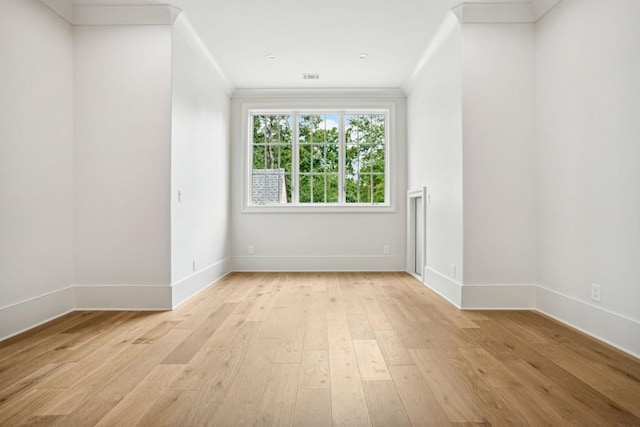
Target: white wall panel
x,y
36,151
122,155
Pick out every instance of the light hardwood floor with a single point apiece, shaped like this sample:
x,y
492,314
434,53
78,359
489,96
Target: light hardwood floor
x,y
314,349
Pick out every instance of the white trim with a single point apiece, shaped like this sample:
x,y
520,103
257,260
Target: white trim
x,y
415,276
228,87
23,316
611,328
20,317
444,286
125,15
410,259
295,108
498,12
499,297
333,94
614,329
448,26
123,297
197,282
64,8
284,100
319,263
149,14
317,208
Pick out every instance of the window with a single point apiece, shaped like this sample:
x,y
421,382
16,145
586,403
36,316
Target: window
x,y
319,158
272,159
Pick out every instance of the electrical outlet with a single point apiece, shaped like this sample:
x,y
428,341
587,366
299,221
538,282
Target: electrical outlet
x,y
453,270
193,265
595,292
250,249
387,249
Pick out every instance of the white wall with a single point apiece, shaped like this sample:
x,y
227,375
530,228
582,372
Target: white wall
x,y
200,226
434,118
588,155
318,241
498,86
122,155
36,160
549,161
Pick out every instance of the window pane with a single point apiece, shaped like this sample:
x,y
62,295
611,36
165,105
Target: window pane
x,y
258,157
272,128
317,157
318,135
305,189
271,159
332,158
332,189
377,129
351,189
269,187
364,185
378,158
304,129
365,129
286,157
351,159
305,158
258,135
351,128
365,157
319,141
378,188
285,126
332,134
318,188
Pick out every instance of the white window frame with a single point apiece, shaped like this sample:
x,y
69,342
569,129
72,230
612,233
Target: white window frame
x,y
323,107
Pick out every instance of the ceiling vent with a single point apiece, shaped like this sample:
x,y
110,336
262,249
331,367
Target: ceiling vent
x,y
310,76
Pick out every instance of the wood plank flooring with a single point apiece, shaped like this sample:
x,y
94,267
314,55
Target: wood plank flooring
x,y
314,349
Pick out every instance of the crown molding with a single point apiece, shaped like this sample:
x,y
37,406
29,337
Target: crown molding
x,y
114,15
125,15
319,93
64,8
503,12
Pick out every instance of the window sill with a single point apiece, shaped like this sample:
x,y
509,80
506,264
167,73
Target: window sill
x,y
317,209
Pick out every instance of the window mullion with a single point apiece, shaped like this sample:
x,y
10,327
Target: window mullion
x,y
341,159
295,167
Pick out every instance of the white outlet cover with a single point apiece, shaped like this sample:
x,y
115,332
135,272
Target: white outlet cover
x,y
595,292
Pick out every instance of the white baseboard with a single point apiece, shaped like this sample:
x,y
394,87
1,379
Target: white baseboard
x,y
618,331
444,286
614,329
319,263
122,297
148,297
499,297
197,282
20,317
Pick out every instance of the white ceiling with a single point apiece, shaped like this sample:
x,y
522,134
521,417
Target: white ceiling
x,y
325,37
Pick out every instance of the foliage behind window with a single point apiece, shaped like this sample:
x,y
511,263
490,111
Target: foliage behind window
x,y
328,158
